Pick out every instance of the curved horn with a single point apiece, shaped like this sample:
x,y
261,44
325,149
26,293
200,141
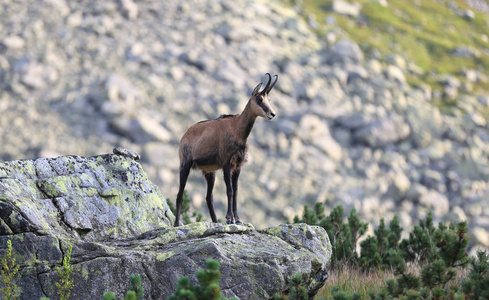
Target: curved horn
x,y
268,84
273,84
256,89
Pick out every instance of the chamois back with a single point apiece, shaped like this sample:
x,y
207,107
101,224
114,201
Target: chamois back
x,y
218,118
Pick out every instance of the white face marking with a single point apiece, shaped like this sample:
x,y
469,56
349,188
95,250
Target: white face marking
x,y
270,113
262,108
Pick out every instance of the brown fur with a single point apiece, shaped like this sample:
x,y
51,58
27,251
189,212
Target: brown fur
x,y
222,143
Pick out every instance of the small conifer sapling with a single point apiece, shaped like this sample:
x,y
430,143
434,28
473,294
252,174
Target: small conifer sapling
x,y
9,273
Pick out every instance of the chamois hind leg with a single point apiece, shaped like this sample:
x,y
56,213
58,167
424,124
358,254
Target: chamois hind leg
x,y
184,172
234,180
210,177
229,191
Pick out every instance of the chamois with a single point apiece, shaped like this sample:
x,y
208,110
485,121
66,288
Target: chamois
x,y
222,143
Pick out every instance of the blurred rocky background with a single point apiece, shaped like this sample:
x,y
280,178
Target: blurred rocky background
x,y
382,105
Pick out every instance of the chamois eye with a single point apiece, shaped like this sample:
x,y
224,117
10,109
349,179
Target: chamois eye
x,y
259,99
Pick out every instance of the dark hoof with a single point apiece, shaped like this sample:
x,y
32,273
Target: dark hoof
x,y
229,221
238,222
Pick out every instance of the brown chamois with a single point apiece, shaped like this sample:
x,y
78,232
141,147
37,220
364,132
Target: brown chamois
x,y
222,143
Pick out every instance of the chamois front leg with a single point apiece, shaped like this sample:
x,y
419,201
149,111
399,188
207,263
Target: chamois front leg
x,y
210,178
229,191
184,172
234,179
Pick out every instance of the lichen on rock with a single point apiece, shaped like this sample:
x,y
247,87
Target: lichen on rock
x,y
98,197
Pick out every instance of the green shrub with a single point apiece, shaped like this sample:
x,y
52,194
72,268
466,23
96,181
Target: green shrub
x,y
420,246
441,253
9,273
297,290
185,210
438,252
65,284
208,287
343,235
477,282
135,291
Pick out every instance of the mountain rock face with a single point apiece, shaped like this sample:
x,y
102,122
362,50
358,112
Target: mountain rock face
x,y
349,130
118,224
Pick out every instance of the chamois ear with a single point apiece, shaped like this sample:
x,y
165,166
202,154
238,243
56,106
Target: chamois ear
x,y
271,87
256,89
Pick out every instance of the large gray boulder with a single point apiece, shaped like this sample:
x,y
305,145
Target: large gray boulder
x,y
382,132
118,223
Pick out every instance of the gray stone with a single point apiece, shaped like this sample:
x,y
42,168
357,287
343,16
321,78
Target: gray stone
x,y
297,26
35,75
60,6
470,75
466,52
433,179
399,187
457,134
481,236
126,152
232,73
13,42
129,9
356,72
426,123
397,60
477,119
354,121
341,75
236,30
395,73
436,150
161,155
450,81
142,129
118,87
389,130
484,100
119,224
345,51
346,8
374,66
77,220
382,2
329,146
75,19
469,14
435,202
98,195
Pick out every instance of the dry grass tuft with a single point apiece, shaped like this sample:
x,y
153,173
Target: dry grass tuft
x,y
352,279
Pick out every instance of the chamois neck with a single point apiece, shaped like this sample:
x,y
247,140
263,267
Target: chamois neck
x,y
246,122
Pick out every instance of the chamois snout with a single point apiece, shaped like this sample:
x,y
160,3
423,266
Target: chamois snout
x,y
271,115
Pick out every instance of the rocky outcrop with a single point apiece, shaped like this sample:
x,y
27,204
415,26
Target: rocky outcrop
x,y
118,223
